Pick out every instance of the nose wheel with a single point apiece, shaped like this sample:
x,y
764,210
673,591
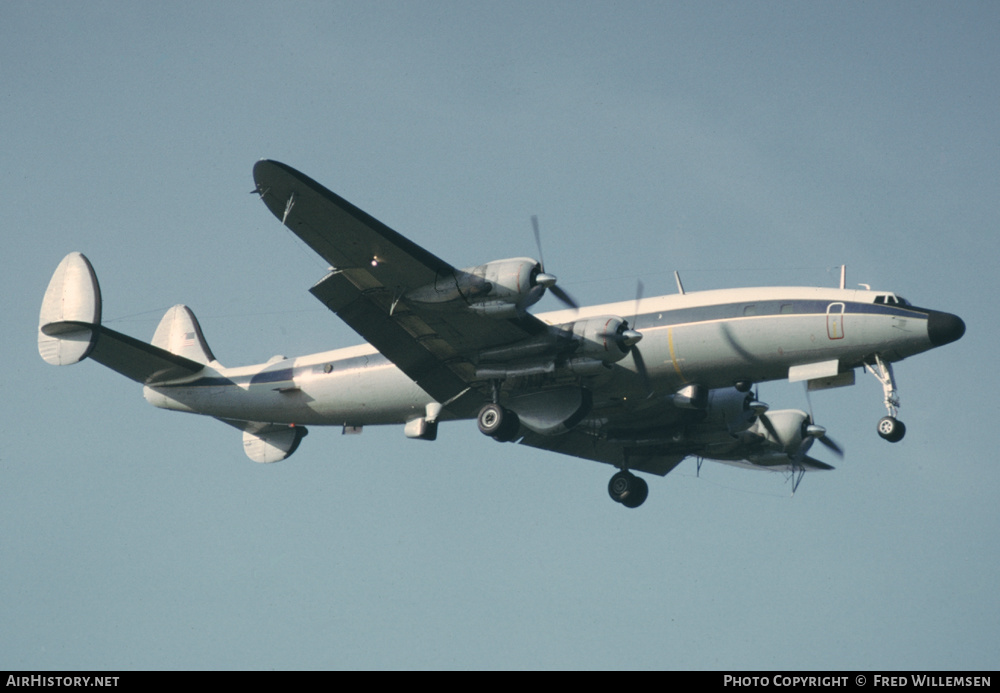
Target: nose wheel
x,y
891,428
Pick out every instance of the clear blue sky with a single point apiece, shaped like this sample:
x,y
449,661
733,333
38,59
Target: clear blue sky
x,y
741,143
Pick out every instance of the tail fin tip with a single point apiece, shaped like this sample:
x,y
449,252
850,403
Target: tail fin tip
x,y
180,333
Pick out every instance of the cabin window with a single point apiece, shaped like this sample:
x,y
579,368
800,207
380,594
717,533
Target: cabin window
x,y
750,310
787,309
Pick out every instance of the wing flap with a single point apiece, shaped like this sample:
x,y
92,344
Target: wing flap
x,y
410,345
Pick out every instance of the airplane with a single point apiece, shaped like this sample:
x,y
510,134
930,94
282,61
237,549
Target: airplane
x,y
639,384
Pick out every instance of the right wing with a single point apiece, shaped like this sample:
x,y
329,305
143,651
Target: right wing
x,y
372,268
659,460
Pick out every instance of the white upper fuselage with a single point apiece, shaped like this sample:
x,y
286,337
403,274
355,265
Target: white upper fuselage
x,y
712,338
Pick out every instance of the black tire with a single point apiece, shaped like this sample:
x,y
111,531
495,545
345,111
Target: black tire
x,y
498,423
490,419
625,487
510,429
637,496
891,428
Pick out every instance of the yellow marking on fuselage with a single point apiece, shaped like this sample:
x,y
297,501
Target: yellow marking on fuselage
x,y
673,355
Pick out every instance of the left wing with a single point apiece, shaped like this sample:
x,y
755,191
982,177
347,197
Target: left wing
x,y
372,268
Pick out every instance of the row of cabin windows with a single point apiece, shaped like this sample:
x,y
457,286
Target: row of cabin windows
x,y
751,309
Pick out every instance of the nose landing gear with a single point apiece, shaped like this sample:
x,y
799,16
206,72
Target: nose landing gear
x,y
889,427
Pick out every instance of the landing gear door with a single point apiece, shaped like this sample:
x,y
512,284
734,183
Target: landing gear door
x,y
835,321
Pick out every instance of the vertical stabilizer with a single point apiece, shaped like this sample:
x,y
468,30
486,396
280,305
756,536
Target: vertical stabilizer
x,y
70,318
179,333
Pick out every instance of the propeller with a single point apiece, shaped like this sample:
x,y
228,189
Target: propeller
x,y
631,338
809,429
819,432
628,338
544,279
760,409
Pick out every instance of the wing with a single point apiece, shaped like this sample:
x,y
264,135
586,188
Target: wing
x,y
659,460
372,268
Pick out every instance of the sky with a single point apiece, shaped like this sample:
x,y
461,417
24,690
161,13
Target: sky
x,y
738,143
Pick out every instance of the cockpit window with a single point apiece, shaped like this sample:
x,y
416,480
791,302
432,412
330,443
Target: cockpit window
x,y
891,299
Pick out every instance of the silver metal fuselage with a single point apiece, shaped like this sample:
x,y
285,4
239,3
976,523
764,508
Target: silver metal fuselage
x,y
712,338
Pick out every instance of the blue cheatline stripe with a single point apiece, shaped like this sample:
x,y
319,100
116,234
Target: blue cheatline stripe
x,y
766,309
665,318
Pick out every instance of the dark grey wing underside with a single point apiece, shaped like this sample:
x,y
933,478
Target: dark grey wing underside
x,y
653,460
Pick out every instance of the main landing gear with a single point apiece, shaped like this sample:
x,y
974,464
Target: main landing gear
x,y
502,425
889,427
499,423
628,489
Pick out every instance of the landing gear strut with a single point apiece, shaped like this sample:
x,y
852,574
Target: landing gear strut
x,y
628,489
889,427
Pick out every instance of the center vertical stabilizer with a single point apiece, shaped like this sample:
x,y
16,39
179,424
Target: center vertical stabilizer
x,y
180,334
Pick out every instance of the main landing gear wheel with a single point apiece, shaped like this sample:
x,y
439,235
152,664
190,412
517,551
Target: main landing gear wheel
x,y
498,423
891,428
628,489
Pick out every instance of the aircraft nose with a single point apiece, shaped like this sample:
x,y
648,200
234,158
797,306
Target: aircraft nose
x,y
944,328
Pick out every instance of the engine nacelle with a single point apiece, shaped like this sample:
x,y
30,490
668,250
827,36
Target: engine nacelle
x,y
600,338
730,408
511,282
501,288
790,427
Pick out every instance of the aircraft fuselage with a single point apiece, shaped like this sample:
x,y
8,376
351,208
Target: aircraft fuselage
x,y
712,338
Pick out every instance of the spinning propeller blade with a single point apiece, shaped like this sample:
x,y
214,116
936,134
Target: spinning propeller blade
x,y
760,409
632,337
549,280
819,432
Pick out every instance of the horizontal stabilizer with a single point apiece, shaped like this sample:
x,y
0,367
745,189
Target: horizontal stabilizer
x,y
143,363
